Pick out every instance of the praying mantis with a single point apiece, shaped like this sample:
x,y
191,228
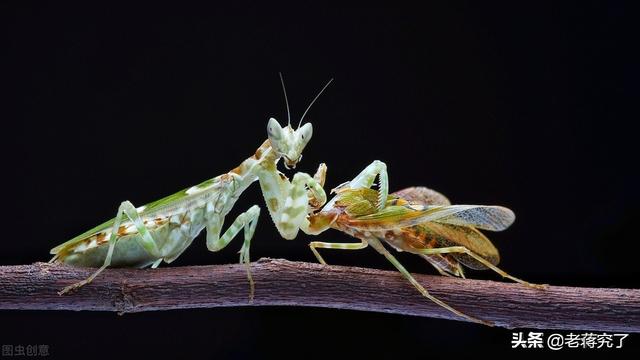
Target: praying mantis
x,y
417,220
162,230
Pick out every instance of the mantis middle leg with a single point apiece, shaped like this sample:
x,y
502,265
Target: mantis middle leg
x,y
247,221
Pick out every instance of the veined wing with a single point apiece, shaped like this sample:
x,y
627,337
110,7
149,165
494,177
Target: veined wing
x,y
392,217
494,218
181,195
102,227
483,217
446,235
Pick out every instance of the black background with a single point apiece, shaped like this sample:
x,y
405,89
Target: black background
x,y
527,106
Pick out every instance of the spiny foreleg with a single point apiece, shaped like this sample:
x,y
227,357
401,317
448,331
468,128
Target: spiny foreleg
x,y
289,202
317,199
319,222
366,178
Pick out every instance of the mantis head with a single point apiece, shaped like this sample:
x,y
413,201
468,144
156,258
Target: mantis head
x,y
287,142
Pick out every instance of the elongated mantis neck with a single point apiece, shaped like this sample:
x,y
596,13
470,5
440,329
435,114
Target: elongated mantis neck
x,y
264,154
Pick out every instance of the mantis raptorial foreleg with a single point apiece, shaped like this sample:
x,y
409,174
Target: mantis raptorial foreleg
x,y
342,246
376,244
144,239
288,201
318,223
247,221
366,178
318,198
483,261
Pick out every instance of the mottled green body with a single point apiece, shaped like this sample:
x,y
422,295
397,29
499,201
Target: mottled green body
x,y
172,222
162,230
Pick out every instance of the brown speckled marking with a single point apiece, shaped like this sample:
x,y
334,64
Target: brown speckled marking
x,y
237,170
242,168
185,218
258,153
101,238
226,178
273,203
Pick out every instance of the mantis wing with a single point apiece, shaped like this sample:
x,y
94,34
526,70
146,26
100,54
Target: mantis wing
x,y
102,227
173,200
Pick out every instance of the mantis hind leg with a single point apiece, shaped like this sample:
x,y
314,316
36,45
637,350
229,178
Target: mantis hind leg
x,y
145,239
485,262
375,243
342,246
156,263
247,221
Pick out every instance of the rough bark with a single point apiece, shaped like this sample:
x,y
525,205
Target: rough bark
x,y
281,282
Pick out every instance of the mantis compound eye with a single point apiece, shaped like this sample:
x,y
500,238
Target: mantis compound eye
x,y
305,133
274,130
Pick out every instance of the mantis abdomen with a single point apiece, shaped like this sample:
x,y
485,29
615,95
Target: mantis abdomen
x,y
172,235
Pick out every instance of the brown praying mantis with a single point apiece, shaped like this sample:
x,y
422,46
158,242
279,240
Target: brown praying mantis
x,y
417,220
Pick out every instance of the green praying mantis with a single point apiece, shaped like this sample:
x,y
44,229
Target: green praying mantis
x,y
417,220
162,230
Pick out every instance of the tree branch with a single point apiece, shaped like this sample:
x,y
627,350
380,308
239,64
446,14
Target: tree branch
x,y
281,282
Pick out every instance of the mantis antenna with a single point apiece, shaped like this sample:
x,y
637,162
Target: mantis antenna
x,y
312,101
284,90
